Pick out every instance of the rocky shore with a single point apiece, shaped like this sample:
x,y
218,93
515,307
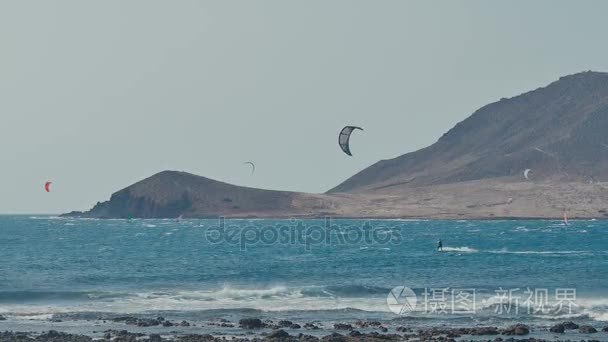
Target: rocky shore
x,y
254,329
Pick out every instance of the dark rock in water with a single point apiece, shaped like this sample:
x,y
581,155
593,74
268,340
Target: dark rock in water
x,y
383,329
197,338
285,324
605,329
517,329
354,333
570,325
587,329
366,324
335,337
126,319
558,328
343,326
311,326
307,338
278,334
2,318
167,324
155,338
184,324
148,322
251,323
482,331
295,326
55,336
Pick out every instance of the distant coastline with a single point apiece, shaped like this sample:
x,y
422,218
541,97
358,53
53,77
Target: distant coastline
x,y
534,156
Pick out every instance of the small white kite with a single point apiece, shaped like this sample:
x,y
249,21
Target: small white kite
x,y
526,172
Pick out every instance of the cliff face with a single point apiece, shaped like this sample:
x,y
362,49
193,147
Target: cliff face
x,y
558,131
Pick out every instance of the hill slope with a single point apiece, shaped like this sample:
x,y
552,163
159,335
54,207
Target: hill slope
x,y
558,131
475,170
172,193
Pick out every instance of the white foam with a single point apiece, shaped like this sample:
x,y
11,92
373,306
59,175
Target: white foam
x,y
460,249
278,298
506,251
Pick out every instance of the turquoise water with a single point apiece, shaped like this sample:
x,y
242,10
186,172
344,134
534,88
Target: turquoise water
x,y
73,268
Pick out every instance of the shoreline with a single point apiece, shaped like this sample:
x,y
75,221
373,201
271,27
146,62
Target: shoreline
x,y
129,328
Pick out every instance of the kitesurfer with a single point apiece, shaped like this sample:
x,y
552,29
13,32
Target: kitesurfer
x,y
439,246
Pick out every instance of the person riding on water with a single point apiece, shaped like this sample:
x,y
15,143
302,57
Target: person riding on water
x,y
440,246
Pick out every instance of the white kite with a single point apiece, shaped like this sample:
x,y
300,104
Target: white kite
x,y
526,172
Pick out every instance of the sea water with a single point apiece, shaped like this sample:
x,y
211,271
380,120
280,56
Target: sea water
x,y
81,270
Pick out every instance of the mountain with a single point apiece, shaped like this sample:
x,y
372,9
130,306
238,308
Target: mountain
x,y
559,132
173,193
475,170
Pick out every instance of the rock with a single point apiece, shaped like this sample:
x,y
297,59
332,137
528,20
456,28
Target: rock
x,y
167,324
2,318
383,329
55,336
587,329
126,319
307,338
251,323
570,325
558,328
310,326
155,338
335,337
481,331
285,324
278,334
197,338
343,326
366,324
517,329
184,324
605,329
354,333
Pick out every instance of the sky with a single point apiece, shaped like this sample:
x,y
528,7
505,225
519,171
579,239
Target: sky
x,y
96,95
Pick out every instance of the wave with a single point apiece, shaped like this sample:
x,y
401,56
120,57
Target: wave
x,y
273,299
460,249
29,296
506,251
309,299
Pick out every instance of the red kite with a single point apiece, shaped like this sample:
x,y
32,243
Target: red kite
x,y
47,186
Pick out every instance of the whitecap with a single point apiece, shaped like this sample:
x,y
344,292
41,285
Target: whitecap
x,y
460,249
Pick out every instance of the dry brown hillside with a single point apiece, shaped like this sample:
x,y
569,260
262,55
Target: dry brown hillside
x,y
475,170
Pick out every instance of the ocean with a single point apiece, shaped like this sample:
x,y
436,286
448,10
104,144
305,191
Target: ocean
x,y
71,273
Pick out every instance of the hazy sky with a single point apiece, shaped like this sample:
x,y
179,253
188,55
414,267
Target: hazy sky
x,y
95,95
